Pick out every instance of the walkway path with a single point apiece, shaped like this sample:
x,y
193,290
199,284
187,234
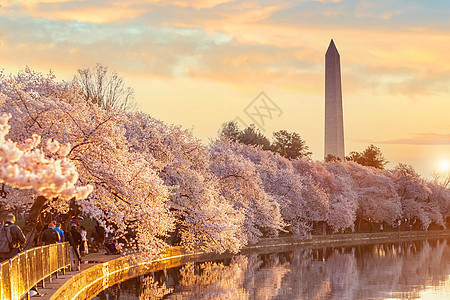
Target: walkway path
x,y
88,261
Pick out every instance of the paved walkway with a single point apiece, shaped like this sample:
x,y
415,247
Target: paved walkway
x,y
88,261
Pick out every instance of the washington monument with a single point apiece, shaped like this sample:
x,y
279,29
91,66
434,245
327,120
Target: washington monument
x,y
334,127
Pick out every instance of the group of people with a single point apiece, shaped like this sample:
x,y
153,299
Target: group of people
x,y
12,238
52,233
99,237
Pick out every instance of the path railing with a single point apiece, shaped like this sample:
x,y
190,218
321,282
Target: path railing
x,y
25,270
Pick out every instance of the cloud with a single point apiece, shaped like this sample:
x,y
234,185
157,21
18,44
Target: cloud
x,y
412,82
417,139
80,11
377,10
401,15
157,51
104,15
198,4
328,1
280,43
100,11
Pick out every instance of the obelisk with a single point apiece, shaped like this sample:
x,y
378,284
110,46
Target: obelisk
x,y
334,124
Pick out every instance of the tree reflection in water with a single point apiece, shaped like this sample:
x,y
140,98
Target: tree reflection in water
x,y
400,270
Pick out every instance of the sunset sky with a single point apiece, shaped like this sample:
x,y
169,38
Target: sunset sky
x,y
202,63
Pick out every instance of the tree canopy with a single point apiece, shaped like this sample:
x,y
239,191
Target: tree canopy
x,y
287,144
290,145
370,157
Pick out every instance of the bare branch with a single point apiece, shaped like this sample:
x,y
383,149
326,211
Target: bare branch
x,y
105,88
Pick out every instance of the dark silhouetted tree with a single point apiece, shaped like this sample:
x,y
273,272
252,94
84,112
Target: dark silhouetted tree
x,y
331,158
290,145
370,157
230,130
249,136
252,136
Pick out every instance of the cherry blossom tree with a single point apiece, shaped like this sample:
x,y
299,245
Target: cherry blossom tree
x,y
205,219
24,166
378,200
128,195
317,200
343,198
22,198
336,181
441,198
415,197
281,182
315,196
241,184
301,201
441,193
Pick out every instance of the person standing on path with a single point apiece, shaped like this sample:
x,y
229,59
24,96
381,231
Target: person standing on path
x,y
50,235
75,235
83,244
60,232
74,221
74,238
11,238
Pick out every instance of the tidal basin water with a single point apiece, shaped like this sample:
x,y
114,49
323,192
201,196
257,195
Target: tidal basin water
x,y
411,270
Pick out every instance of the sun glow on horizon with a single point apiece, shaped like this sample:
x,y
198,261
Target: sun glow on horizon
x,y
444,165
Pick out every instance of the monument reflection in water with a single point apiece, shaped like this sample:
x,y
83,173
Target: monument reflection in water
x,y
419,269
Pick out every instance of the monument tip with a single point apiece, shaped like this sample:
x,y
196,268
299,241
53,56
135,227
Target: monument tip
x,y
332,47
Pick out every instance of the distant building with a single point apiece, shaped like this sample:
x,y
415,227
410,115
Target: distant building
x,y
334,124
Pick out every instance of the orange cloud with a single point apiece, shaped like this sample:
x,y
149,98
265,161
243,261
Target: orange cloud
x,y
248,41
417,139
101,12
328,1
198,4
103,15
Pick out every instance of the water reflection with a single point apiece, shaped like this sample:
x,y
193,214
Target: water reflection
x,y
401,270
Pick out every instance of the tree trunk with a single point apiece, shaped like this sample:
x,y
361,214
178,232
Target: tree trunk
x,y
31,222
359,219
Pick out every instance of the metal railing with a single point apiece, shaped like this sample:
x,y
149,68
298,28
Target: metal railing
x,y
25,270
